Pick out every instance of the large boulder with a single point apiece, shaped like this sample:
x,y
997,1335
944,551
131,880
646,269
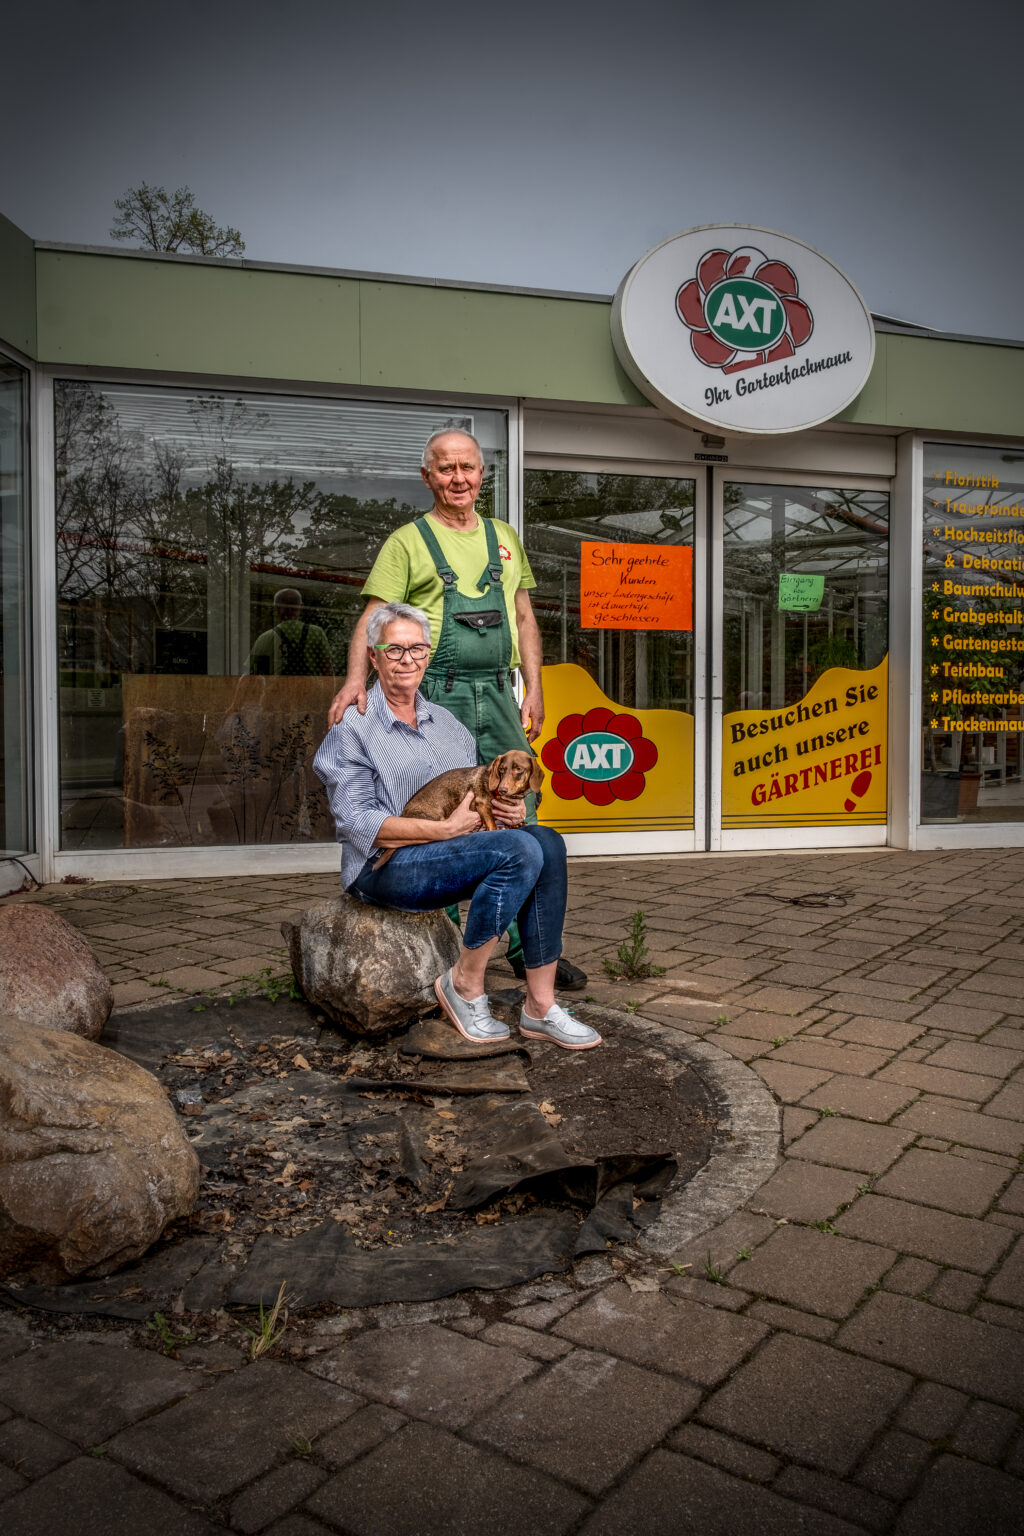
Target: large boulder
x,y
93,1160
49,974
370,969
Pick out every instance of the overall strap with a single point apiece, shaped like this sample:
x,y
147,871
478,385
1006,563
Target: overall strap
x,y
492,570
435,551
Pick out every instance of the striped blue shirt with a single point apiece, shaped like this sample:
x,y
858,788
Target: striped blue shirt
x,y
371,766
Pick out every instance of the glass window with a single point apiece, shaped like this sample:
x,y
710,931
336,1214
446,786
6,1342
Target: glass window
x,y
15,756
211,550
806,626
647,670
972,629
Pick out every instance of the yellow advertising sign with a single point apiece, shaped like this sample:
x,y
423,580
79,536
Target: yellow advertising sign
x,y
820,762
609,769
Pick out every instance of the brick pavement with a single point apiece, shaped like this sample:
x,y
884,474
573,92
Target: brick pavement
x,y
845,1354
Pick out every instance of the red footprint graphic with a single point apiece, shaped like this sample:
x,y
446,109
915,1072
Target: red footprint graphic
x,y
858,788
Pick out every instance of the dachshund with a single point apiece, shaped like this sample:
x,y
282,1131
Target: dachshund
x,y
509,776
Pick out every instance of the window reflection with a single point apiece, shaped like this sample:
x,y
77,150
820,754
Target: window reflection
x,y
211,550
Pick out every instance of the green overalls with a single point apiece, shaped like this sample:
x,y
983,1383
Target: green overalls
x,y
469,672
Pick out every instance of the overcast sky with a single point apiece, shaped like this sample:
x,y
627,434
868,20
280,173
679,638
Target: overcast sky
x,y
541,144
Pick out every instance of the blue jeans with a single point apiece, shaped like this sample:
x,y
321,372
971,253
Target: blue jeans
x,y
503,874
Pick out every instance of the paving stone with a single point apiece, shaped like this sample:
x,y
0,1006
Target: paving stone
x,y
852,1144
971,1016
91,1497
586,1419
843,1499
971,1056
955,1184
540,1346
792,1321
886,1034
732,1455
784,1001
297,1525
744,1229
954,1085
10,1482
541,1314
711,1293
795,1122
961,1498
657,1330
952,1121
955,1289
1008,1284
459,1490
274,1495
761,1026
830,1056
861,1098
932,1411
670,1495
405,1314
358,1434
1002,1317
32,1450
942,1346
894,1465
807,1400
928,1233
814,1271
426,1371
86,1391
1008,1103
984,1432
864,1004
789,1083
216,1442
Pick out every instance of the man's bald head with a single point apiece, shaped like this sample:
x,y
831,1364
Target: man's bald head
x,y
438,441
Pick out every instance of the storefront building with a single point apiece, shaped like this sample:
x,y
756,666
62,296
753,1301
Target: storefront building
x,y
798,627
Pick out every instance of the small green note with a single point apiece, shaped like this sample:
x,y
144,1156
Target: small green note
x,y
800,594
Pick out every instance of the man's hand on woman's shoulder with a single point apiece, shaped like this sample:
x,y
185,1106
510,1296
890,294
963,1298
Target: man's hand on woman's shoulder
x,y
349,693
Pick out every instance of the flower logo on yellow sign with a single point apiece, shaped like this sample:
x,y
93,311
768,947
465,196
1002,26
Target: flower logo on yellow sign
x,y
601,755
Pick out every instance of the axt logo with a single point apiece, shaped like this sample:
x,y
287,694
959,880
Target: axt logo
x,y
600,755
743,309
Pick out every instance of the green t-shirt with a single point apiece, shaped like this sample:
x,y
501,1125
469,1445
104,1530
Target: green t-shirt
x,y
283,652
404,571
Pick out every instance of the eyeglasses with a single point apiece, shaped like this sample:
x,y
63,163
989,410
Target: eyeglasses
x,y
399,652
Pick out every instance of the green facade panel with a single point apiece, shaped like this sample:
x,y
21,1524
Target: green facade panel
x,y
226,319
17,288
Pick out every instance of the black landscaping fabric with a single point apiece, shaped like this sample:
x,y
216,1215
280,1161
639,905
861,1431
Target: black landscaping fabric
x,y
358,1173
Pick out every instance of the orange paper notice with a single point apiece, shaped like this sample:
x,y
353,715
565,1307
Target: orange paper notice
x,y
636,586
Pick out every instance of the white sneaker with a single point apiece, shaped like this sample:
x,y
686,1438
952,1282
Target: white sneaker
x,y
472,1019
561,1028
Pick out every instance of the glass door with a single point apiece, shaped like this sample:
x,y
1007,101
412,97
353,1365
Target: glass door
x,y
802,656
622,619
16,836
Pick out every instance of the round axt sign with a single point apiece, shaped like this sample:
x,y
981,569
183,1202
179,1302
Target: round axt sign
x,y
601,756
743,329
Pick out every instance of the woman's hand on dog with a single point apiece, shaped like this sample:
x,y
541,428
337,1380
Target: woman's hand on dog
x,y
464,818
508,813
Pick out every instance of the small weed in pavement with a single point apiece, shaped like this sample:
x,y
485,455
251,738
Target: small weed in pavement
x,y
632,963
744,1253
712,1271
302,1446
271,1327
825,1226
780,1040
169,1340
827,1111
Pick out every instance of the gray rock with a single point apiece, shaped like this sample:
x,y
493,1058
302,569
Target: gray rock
x,y
93,1160
49,974
370,969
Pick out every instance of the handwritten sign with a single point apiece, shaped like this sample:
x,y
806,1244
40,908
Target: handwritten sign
x,y
800,594
636,586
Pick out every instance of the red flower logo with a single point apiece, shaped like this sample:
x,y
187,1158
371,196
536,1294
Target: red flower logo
x,y
600,755
742,309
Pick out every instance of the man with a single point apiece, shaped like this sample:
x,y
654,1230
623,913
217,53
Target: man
x,y
294,647
472,578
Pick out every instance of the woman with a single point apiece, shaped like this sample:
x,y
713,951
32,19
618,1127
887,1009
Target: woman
x,y
372,765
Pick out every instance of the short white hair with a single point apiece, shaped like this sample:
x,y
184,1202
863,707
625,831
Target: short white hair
x,y
449,432
387,613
